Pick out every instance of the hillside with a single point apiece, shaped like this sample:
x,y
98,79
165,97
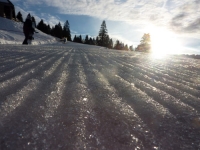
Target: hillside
x,y
11,32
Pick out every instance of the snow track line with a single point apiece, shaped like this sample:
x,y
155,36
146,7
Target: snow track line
x,y
182,68
34,115
27,65
177,73
165,70
54,98
163,74
18,78
170,76
119,115
172,63
185,97
74,103
165,123
175,106
15,100
55,65
161,107
27,59
140,101
9,56
8,67
174,84
16,60
23,89
52,101
15,83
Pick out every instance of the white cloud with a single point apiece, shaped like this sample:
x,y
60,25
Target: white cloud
x,y
157,12
47,18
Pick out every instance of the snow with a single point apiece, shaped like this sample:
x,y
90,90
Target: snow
x,y
11,32
76,96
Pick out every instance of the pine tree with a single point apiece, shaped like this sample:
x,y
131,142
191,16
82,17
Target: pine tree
x,y
126,47
97,41
80,39
118,45
103,35
93,41
145,45
67,31
52,31
48,29
75,39
86,40
107,39
58,31
19,17
145,39
45,28
29,16
40,25
110,44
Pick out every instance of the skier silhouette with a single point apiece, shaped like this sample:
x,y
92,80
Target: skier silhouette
x,y
28,30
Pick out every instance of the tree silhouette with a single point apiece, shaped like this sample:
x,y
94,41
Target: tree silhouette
x,y
58,31
87,40
19,17
66,31
93,41
118,45
80,40
40,25
110,45
145,39
48,29
126,47
103,38
75,39
97,41
145,45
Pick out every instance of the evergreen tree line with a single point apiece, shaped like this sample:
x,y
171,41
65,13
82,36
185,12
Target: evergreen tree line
x,y
102,39
57,30
95,41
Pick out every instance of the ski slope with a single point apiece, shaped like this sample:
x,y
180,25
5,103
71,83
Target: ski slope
x,y
11,32
74,96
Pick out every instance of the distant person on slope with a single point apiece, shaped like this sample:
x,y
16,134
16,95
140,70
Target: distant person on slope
x,y
27,29
64,40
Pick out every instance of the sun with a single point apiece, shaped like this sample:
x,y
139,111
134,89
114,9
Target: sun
x,y
163,42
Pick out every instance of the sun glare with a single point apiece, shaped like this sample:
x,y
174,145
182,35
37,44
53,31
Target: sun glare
x,y
163,42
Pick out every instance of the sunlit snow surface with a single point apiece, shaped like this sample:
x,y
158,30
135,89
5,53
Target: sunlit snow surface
x,y
73,96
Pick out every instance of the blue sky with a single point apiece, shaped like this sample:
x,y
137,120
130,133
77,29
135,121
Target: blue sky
x,y
168,21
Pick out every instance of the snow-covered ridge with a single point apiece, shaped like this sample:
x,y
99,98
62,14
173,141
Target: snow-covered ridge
x,y
11,32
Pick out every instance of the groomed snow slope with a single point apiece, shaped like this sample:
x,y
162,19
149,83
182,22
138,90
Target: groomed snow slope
x,y
11,32
76,96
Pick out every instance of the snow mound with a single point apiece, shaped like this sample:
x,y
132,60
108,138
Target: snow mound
x,y
11,32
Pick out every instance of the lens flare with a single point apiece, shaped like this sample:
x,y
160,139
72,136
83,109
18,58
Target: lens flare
x,y
163,42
